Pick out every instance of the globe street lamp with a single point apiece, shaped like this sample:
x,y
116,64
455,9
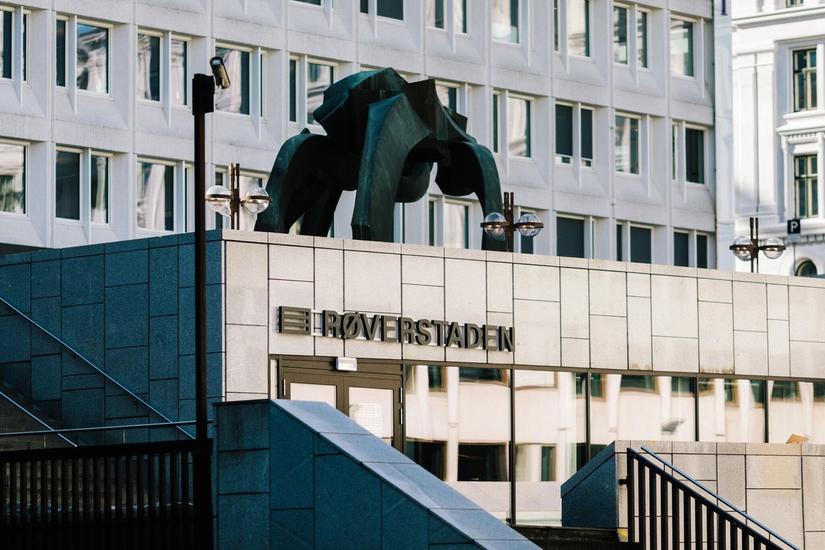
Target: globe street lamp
x,y
502,227
228,201
747,249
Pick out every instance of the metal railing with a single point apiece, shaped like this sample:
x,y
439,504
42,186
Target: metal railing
x,y
664,511
97,369
141,489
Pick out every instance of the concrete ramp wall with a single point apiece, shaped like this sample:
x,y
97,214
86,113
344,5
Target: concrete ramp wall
x,y
296,474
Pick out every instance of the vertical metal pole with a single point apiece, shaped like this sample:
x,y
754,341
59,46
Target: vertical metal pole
x,y
512,472
235,188
203,91
508,216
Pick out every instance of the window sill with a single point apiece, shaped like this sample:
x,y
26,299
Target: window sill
x,y
685,77
15,216
509,43
68,222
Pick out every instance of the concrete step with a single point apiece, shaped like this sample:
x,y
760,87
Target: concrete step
x,y
574,538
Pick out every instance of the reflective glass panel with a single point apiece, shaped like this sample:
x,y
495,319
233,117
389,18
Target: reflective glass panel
x,y
60,52
12,178
67,185
681,252
460,16
564,133
624,406
373,408
448,96
92,58
504,20
550,441
460,431
702,251
641,37
100,189
319,78
314,392
796,409
620,34
518,127
456,230
234,99
155,196
6,35
569,237
148,67
586,136
694,155
578,27
393,9
641,247
681,47
731,410
177,72
435,13
627,144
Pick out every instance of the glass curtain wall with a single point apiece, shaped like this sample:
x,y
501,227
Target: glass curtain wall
x,y
731,410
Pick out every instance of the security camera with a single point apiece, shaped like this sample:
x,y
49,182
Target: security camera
x,y
219,71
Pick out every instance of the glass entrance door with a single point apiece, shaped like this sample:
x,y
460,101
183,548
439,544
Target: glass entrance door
x,y
372,400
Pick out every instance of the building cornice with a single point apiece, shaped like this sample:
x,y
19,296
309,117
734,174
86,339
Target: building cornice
x,y
788,15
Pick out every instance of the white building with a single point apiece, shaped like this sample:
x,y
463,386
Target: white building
x,y
779,126
601,114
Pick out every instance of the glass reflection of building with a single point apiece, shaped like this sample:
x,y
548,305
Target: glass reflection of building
x,y
457,424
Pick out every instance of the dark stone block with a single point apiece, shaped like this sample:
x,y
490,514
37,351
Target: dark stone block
x,y
421,486
126,246
186,320
243,472
46,279
124,406
291,461
18,258
186,263
46,313
127,316
82,407
163,281
291,529
404,524
165,241
475,524
243,426
46,379
323,447
130,367
45,255
82,382
347,503
15,285
18,376
367,448
214,375
82,280
236,515
86,250
83,331
441,533
320,417
163,396
15,339
125,268
163,347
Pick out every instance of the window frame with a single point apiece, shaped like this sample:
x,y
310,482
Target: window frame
x,y
102,25
639,144
81,176
588,19
519,31
704,164
18,59
642,61
178,225
111,156
26,145
691,45
615,46
528,131
161,58
810,75
811,182
243,49
324,63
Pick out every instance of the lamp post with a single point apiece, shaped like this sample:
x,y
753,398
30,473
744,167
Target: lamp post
x,y
203,102
748,248
500,226
228,201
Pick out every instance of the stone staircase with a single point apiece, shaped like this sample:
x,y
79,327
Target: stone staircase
x,y
574,538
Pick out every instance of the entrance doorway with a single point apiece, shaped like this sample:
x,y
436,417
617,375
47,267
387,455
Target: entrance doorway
x,y
370,397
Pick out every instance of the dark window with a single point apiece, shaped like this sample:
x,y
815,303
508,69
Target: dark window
x,y
435,377
570,237
386,8
640,245
587,136
293,91
365,6
482,462
805,186
315,2
427,454
681,249
60,53
67,185
6,43
806,269
694,155
480,374
804,79
431,222
702,251
564,133
646,383
435,13
495,122
619,253
556,25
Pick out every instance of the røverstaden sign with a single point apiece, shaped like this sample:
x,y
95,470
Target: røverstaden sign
x,y
389,328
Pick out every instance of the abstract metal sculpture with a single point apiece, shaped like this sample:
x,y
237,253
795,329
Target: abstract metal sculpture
x,y
383,136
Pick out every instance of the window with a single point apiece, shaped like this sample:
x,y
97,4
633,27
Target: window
x,y
437,14
448,95
565,115
526,245
178,80
99,196
431,222
504,20
681,249
496,121
556,25
804,80
518,126
640,244
234,99
570,237
7,54
674,150
60,52
92,58
641,37
393,9
742,403
702,251
578,27
319,78
805,186
792,3
156,196
619,238
681,47
460,16
148,67
806,268
456,225
313,2
620,34
627,144
12,178
67,185
694,155
293,90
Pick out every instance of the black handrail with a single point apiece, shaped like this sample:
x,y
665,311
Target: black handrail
x,y
693,519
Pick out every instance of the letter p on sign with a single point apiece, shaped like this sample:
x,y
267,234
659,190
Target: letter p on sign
x,y
794,227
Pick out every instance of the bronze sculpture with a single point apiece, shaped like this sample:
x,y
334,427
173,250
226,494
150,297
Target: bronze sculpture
x,y
383,136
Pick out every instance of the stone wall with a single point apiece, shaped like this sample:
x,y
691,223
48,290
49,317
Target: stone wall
x,y
781,485
128,308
